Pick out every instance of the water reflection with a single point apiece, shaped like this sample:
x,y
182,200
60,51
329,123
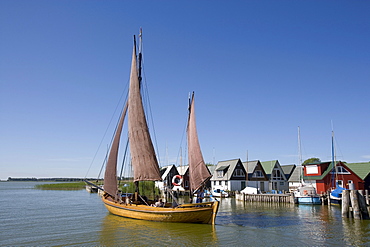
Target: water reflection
x,y
121,231
356,232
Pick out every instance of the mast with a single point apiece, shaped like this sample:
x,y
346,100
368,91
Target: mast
x,y
140,58
333,159
300,155
246,176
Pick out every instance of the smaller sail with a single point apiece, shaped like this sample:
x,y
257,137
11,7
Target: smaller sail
x,y
110,175
198,171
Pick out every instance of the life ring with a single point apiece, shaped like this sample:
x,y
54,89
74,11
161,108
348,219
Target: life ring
x,y
177,180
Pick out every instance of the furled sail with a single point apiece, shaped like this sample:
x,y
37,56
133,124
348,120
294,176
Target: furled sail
x,y
110,176
198,171
143,158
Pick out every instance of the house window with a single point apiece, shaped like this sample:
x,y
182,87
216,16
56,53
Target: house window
x,y
276,175
257,174
342,170
220,174
225,183
219,182
239,173
312,170
214,182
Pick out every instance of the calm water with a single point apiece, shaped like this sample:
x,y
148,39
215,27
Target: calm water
x,y
31,217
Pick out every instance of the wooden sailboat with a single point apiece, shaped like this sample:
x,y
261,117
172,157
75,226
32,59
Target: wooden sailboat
x,y
145,165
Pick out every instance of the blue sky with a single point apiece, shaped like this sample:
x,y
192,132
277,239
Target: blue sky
x,y
259,70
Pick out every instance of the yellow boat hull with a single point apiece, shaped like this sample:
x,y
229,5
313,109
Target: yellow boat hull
x,y
204,213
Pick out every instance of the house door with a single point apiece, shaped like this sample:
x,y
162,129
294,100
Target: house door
x,y
242,185
262,186
274,185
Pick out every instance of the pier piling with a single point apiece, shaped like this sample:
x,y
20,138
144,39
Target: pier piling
x,y
345,203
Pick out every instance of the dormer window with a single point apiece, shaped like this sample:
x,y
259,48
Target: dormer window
x,y
220,174
221,171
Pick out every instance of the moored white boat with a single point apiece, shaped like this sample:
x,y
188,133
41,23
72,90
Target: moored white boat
x,y
219,193
306,195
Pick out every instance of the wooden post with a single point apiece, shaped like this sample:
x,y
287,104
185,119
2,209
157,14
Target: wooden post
x,y
345,203
355,205
363,207
367,197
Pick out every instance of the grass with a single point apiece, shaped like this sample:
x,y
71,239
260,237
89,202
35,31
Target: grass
x,y
146,188
61,186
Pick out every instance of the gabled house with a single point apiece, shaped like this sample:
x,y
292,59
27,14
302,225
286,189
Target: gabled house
x,y
167,174
362,170
325,176
229,175
257,177
277,179
294,175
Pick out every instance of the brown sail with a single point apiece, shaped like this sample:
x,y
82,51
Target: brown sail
x,y
198,171
143,158
110,175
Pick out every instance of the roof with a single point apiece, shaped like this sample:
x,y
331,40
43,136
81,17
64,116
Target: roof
x,y
167,171
221,168
211,169
288,170
296,175
361,169
182,170
268,166
228,165
250,166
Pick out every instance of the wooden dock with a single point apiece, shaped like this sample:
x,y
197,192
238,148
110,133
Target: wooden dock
x,y
269,198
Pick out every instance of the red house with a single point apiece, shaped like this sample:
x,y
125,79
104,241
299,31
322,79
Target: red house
x,y
324,176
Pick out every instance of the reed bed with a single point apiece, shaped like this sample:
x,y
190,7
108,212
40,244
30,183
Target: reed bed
x,y
61,186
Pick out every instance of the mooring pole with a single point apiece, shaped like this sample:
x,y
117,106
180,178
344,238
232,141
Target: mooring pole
x,y
355,205
363,206
345,203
